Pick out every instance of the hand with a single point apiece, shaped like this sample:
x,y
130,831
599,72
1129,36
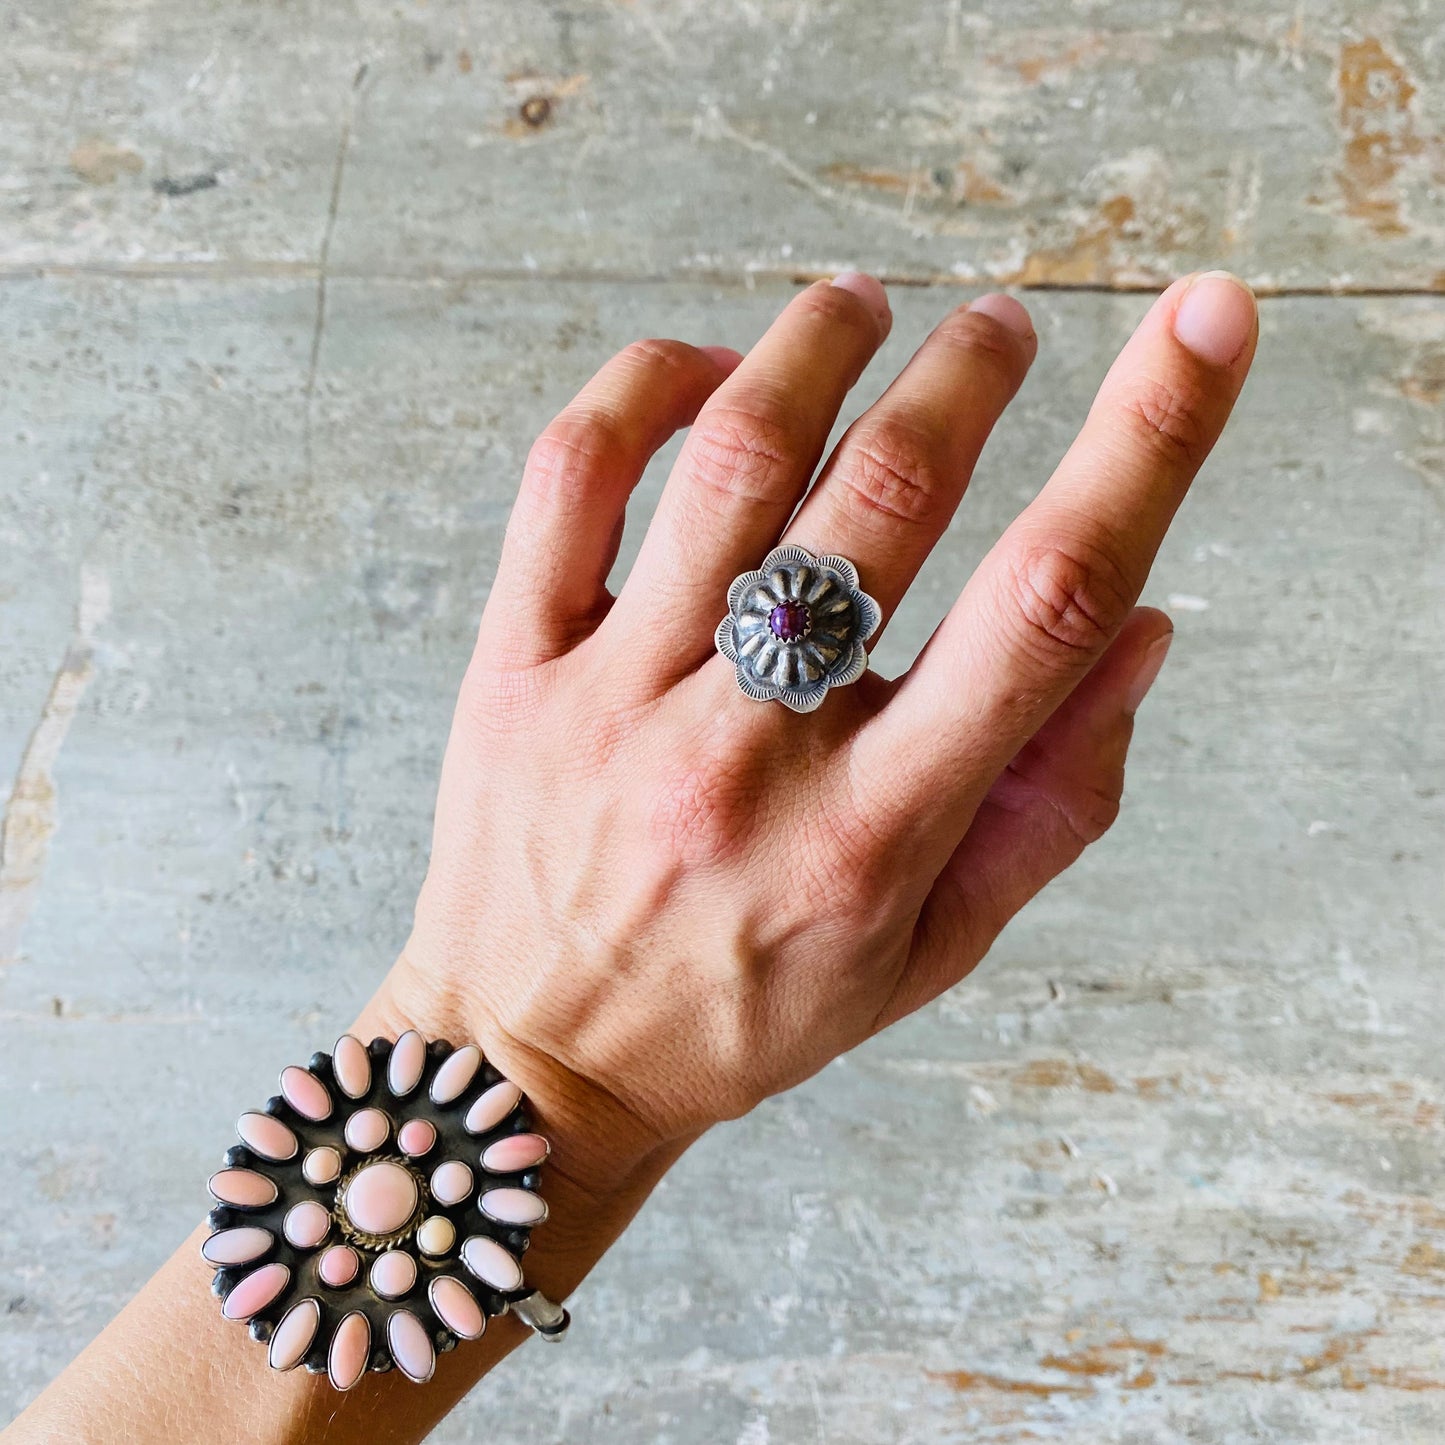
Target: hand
x,y
655,902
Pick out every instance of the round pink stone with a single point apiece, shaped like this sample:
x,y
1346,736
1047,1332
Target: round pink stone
x,y
415,1137
393,1274
367,1130
381,1198
306,1224
338,1266
256,1291
451,1182
514,1153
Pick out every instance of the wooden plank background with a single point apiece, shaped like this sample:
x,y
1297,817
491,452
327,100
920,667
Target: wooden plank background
x,y
285,292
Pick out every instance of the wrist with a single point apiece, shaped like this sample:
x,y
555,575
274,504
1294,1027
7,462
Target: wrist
x,y
603,1162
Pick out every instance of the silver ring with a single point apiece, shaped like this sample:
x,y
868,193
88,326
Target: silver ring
x,y
796,627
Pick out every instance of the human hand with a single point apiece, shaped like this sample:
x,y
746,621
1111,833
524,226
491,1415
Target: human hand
x,y
655,902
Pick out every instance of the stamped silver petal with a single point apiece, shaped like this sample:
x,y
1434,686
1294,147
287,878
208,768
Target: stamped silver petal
x,y
855,667
723,638
764,662
740,584
842,566
788,555
869,616
751,687
822,585
751,643
805,699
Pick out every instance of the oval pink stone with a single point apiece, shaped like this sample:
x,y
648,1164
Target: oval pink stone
x,y
305,1093
455,1074
514,1153
256,1291
410,1347
243,1187
416,1137
451,1182
493,1107
393,1274
294,1335
491,1263
306,1224
408,1059
381,1198
236,1246
513,1206
352,1066
350,1350
269,1137
338,1266
456,1307
367,1130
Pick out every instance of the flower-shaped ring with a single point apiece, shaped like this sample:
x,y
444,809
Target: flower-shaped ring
x,y
796,627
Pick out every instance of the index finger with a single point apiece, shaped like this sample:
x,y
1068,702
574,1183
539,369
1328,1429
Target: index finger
x,y
1056,588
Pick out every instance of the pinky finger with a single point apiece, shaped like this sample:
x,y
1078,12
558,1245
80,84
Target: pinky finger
x,y
1058,795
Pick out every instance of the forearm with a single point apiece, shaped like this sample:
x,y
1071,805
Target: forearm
x,y
170,1368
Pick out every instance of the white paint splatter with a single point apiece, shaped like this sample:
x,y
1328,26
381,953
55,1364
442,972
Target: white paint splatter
x,y
1187,602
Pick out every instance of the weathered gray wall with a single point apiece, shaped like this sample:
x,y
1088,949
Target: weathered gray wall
x,y
1169,1166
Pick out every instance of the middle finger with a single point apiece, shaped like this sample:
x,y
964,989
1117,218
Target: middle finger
x,y
895,480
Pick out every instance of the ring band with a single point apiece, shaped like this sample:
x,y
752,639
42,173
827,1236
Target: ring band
x,y
796,627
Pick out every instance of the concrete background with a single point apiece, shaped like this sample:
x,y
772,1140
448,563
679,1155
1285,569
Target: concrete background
x,y
285,292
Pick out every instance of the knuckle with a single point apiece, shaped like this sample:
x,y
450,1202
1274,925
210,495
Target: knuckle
x,y
981,338
892,472
1165,419
1068,601
576,447
837,306
658,355
737,455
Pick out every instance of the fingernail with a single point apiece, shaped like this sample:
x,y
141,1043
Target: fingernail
x,y
1006,311
1216,317
869,290
1153,660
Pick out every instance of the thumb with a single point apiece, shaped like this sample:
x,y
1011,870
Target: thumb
x,y
1060,793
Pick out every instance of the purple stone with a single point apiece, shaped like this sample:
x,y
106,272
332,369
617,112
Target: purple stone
x,y
789,621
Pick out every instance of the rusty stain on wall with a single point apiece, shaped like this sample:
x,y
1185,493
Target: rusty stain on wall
x,y
1379,133
30,814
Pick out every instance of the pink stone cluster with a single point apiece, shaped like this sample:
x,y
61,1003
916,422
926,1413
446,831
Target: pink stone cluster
x,y
368,1221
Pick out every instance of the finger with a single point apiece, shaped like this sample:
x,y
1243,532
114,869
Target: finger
x,y
566,525
1057,586
742,469
1060,793
895,480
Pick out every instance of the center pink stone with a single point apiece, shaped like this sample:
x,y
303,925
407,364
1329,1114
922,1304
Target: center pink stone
x,y
381,1198
789,621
